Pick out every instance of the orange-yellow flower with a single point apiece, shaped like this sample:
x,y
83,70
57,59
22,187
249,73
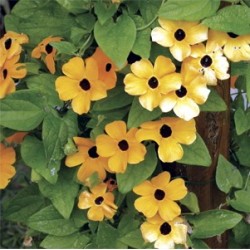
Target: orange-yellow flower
x,y
169,133
178,36
165,234
211,65
7,159
99,201
44,49
81,84
235,47
107,69
151,82
88,158
120,146
159,196
185,100
16,138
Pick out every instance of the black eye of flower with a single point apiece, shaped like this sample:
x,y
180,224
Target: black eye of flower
x,y
206,61
153,82
48,48
108,67
165,131
85,85
123,145
165,228
232,35
159,194
8,43
179,35
181,92
5,73
92,152
99,200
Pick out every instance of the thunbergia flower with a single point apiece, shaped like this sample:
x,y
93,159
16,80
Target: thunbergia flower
x,y
107,69
16,138
159,196
169,133
165,234
120,146
178,36
99,202
212,65
7,171
185,100
44,49
80,84
151,82
235,47
88,158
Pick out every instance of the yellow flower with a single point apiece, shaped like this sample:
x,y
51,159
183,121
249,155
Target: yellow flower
x,y
178,36
185,100
12,42
212,65
81,84
107,69
10,70
236,48
99,201
120,146
7,171
169,133
90,161
151,82
159,196
45,49
165,234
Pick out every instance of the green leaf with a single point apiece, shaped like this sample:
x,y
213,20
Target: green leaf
x,y
213,222
137,173
22,110
116,39
27,202
64,47
104,11
242,233
76,6
49,221
33,154
73,241
55,135
227,19
137,114
199,244
191,202
149,9
243,152
227,175
61,195
116,98
241,201
188,10
196,153
214,103
242,121
133,239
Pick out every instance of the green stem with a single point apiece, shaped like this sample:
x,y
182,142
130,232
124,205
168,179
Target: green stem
x,y
248,176
82,49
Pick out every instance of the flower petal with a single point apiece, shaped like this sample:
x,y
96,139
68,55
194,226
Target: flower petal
x,y
180,50
148,134
145,188
149,231
136,153
106,146
142,68
95,213
85,200
179,234
81,103
135,85
168,102
161,180
170,82
118,162
150,100
116,129
75,159
147,205
176,189
168,210
162,37
91,69
74,68
164,242
163,66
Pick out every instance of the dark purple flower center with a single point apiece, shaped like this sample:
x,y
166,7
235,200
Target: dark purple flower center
x,y
165,131
165,228
206,61
48,48
85,85
8,43
181,92
159,194
99,200
232,35
5,73
123,145
92,152
132,57
153,82
108,67
179,35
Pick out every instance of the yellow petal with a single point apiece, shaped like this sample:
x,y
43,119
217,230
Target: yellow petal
x,y
161,180
106,146
8,155
150,100
136,153
197,34
176,189
100,189
180,50
116,130
108,211
145,188
168,102
81,103
162,37
148,134
164,242
7,86
49,59
170,82
146,205
179,234
91,69
118,162
7,172
36,52
85,200
75,159
95,213
170,151
135,85
74,68
168,210
98,90
142,68
163,66
149,231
